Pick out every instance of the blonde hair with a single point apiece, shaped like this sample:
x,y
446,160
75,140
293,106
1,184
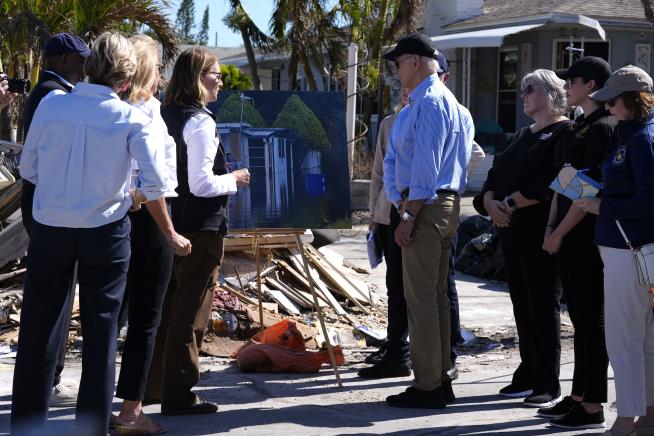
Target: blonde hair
x,y
185,86
147,66
112,61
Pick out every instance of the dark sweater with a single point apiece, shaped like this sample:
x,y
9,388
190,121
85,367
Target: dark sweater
x,y
47,82
191,213
628,193
585,147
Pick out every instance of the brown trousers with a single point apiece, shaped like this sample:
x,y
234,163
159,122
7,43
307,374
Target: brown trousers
x,y
425,266
175,365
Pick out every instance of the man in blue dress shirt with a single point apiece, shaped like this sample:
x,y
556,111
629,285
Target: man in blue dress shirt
x,y
424,173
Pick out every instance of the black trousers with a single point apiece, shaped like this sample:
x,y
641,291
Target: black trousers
x,y
102,254
581,271
531,275
26,200
149,272
397,330
453,295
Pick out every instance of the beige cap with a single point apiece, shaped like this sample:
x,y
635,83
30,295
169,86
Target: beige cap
x,y
629,78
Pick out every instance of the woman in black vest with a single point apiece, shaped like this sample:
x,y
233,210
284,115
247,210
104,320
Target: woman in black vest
x,y
200,214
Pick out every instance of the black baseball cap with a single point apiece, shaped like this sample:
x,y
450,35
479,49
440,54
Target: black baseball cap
x,y
414,43
589,67
63,43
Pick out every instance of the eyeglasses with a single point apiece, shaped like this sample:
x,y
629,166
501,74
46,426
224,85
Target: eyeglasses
x,y
216,73
398,62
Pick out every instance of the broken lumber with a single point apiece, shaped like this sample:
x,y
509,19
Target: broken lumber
x,y
13,242
281,299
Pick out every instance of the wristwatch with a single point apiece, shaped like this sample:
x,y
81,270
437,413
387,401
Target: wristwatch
x,y
511,202
407,216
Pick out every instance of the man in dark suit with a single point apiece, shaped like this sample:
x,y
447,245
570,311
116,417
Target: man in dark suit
x,y
65,57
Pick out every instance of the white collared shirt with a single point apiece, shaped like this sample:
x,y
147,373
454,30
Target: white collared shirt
x,y
78,153
152,108
201,148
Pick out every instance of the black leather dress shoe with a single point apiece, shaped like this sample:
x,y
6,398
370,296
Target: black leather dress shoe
x,y
198,408
416,399
386,369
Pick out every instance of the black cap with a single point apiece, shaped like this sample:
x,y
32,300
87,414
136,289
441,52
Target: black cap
x,y
414,43
590,68
63,43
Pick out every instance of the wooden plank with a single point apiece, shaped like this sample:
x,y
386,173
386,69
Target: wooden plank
x,y
245,242
12,274
296,258
290,293
13,242
226,286
342,287
10,199
282,300
337,277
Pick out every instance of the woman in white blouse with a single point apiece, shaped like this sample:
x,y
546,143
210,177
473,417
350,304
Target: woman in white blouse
x,y
200,214
153,242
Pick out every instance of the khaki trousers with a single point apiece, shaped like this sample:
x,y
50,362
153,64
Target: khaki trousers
x,y
425,264
629,331
175,368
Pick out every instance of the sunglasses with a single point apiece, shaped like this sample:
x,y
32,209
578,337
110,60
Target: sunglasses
x,y
611,102
529,89
398,62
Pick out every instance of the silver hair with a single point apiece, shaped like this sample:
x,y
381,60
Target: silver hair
x,y
556,101
430,63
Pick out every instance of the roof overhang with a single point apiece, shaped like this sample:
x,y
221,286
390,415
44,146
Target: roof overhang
x,y
472,36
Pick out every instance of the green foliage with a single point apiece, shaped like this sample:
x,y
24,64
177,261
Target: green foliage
x,y
233,78
305,127
230,112
185,21
203,35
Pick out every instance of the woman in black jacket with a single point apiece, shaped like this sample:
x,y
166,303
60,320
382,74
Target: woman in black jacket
x,y
516,197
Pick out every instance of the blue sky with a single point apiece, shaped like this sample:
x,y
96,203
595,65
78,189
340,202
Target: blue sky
x,y
259,10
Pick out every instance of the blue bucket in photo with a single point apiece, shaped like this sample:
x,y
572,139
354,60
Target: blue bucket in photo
x,y
315,184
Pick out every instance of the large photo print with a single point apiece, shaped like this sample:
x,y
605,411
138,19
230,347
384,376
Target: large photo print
x,y
294,145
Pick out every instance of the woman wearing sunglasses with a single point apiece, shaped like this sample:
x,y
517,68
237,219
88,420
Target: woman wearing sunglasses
x,y
516,197
628,198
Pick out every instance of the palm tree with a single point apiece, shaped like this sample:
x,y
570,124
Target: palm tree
x,y
27,24
238,20
309,30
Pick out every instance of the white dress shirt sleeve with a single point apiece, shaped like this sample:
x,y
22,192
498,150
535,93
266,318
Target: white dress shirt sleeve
x,y
201,148
142,145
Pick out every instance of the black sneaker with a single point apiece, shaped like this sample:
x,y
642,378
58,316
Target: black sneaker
x,y
578,418
377,356
386,369
514,391
559,409
541,400
417,399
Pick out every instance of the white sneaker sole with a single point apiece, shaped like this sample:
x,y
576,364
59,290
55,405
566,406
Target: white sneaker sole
x,y
579,427
544,405
522,394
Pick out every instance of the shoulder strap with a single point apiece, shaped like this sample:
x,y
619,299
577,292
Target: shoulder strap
x,y
624,235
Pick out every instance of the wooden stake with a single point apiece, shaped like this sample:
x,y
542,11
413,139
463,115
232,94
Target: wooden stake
x,y
256,251
332,359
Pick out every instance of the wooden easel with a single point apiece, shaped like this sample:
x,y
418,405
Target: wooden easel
x,y
256,235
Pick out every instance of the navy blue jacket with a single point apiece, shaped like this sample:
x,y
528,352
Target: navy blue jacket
x,y
628,194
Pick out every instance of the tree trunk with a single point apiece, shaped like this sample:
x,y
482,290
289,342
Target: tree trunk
x,y
292,70
249,51
308,72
